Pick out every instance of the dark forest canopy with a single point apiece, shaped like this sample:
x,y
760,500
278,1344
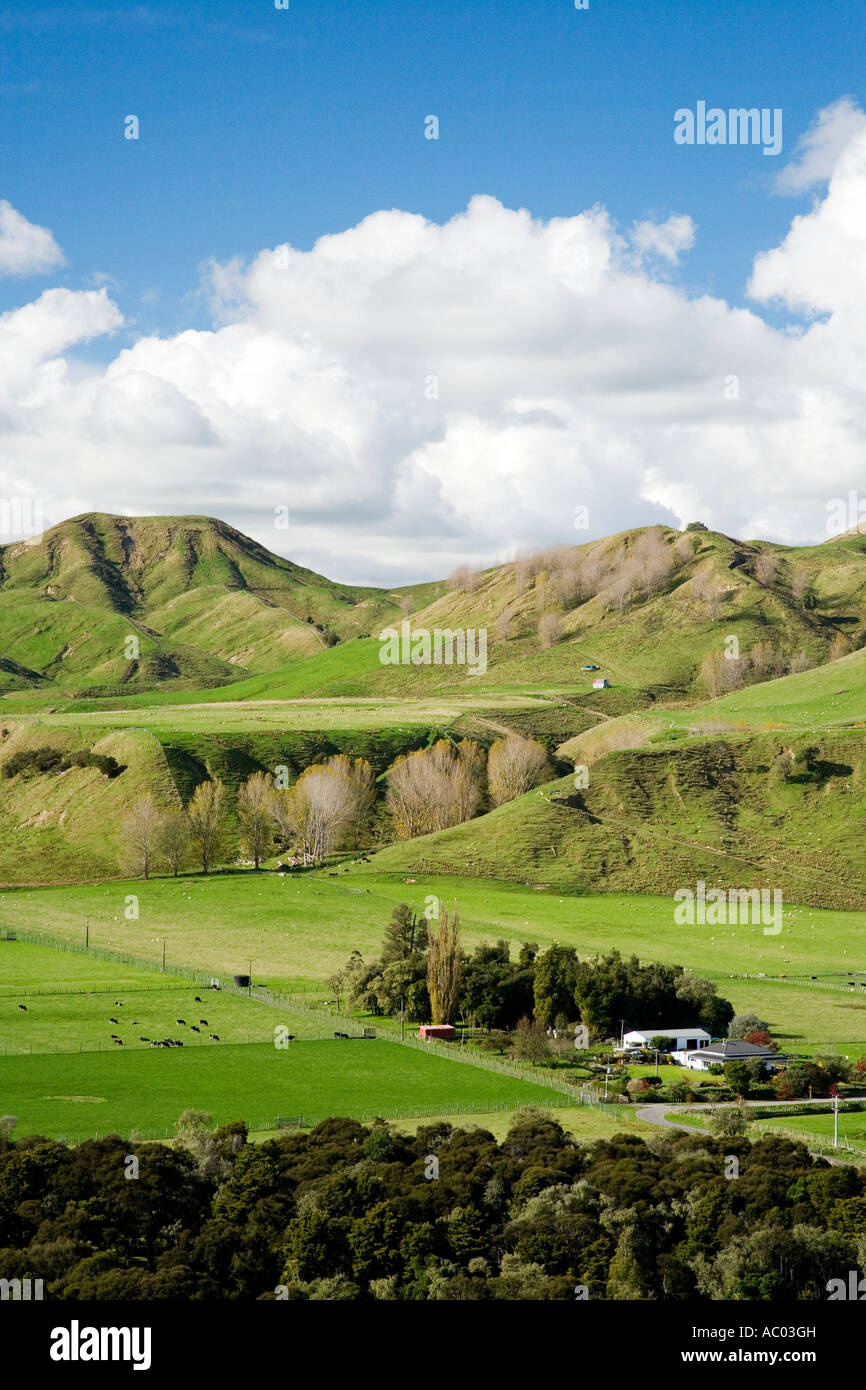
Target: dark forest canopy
x,y
354,1212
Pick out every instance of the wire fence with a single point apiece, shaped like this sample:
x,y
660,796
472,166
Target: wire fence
x,y
846,987
498,1064
816,1143
279,1123
577,1091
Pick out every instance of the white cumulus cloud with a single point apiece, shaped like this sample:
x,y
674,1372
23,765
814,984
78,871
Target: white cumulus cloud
x,y
25,249
419,394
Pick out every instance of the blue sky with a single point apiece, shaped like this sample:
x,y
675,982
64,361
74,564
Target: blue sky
x,y
260,126
431,377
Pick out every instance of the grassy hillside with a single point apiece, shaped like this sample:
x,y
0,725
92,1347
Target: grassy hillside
x,y
209,607
736,812
206,600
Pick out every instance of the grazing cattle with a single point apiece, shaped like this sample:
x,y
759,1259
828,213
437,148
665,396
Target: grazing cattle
x,y
215,1037
290,1037
181,1020
118,1003
341,1035
119,1041
196,1000
23,1008
204,1021
193,1029
145,1040
112,1020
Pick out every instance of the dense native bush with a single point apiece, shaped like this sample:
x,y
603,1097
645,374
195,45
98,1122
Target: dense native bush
x,y
360,1213
31,761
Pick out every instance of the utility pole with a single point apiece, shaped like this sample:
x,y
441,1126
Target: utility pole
x,y
836,1121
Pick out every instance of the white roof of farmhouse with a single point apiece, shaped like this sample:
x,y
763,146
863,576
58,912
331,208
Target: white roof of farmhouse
x,y
683,1032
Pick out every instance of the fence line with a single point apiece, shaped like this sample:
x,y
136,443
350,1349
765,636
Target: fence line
x,y
505,1068
816,1142
295,1005
299,1122
795,980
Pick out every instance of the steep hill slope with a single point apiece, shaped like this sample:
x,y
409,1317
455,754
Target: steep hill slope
x,y
655,820
204,604
209,607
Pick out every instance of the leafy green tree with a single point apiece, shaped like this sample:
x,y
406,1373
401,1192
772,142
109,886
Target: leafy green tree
x,y
555,979
405,935
741,1024
739,1077
729,1121
530,1042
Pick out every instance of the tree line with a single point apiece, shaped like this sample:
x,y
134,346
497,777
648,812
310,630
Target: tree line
x,y
354,1212
424,972
331,805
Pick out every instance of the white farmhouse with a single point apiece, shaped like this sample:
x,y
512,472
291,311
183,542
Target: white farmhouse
x,y
732,1052
679,1039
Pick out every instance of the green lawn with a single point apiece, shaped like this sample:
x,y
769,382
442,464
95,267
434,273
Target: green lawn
x,y
87,1094
26,966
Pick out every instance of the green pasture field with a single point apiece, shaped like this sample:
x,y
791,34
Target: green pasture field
x,y
69,1001
298,929
852,1125
27,966
94,1093
586,1122
249,715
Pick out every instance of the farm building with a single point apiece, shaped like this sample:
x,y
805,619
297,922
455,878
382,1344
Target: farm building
x,y
602,683
719,1053
443,1031
680,1039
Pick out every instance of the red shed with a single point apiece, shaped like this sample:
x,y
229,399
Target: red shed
x,y
436,1030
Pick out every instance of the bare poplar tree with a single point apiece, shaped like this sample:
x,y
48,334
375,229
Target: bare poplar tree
x,y
206,814
435,787
329,803
361,790
444,967
255,816
549,629
514,765
766,568
173,839
653,561
140,830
